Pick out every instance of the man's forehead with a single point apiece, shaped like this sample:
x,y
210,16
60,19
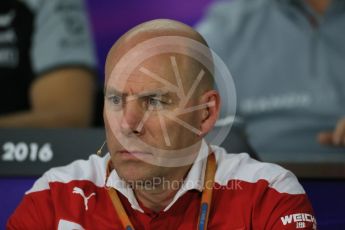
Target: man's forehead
x,y
139,91
160,63
142,77
155,72
133,85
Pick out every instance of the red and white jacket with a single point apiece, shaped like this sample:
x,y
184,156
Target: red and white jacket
x,y
247,195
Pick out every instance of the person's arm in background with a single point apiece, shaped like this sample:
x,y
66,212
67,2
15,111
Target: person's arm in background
x,y
62,56
61,98
335,137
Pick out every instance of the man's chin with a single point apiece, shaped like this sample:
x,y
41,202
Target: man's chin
x,y
134,171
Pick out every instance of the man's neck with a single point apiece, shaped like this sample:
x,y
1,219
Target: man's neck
x,y
319,6
162,194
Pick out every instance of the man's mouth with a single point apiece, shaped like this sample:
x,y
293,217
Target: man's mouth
x,y
133,154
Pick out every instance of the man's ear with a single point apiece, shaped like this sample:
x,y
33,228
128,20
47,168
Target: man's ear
x,y
211,112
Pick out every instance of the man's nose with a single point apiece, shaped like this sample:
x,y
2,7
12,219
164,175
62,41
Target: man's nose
x,y
131,122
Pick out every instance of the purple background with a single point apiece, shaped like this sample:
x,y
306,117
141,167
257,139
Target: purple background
x,y
111,19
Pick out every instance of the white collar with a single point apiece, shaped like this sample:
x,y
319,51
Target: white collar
x,y
194,180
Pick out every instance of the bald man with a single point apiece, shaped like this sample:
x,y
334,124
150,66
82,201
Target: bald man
x,y
160,173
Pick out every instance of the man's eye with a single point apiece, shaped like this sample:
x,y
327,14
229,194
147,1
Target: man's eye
x,y
155,102
116,100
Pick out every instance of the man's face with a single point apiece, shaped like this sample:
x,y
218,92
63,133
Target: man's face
x,y
142,114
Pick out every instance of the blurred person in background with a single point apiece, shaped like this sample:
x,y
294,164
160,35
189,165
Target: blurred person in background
x,y
46,64
287,59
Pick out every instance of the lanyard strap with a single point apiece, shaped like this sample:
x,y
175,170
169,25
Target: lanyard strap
x,y
206,197
204,205
126,223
